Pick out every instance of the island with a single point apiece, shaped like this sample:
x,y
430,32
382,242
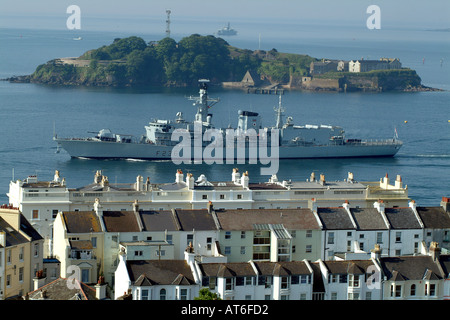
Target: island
x,y
132,62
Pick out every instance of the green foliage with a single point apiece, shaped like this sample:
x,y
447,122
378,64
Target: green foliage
x,y
206,294
131,61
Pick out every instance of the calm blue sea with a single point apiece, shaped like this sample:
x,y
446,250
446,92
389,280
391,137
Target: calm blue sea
x,y
30,113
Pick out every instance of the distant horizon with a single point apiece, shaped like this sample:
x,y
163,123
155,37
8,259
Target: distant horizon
x,y
403,14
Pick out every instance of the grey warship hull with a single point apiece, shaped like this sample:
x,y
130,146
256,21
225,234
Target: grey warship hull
x,y
290,141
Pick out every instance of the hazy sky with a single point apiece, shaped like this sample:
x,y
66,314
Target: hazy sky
x,y
429,13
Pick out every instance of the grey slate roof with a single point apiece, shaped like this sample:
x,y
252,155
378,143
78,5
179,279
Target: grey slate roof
x,y
291,219
158,220
335,218
81,222
13,237
120,221
368,219
227,269
152,272
348,266
402,218
59,290
282,268
195,219
411,268
434,217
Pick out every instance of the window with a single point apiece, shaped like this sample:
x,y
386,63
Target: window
x,y
398,237
222,196
145,294
21,274
243,250
304,279
430,289
379,237
331,238
333,278
183,294
228,235
36,249
54,213
208,243
35,214
285,282
353,281
334,296
8,281
229,283
160,253
353,296
169,239
138,253
189,239
204,196
239,196
412,291
162,294
242,234
349,233
396,290
21,254
308,248
349,246
309,233
227,250
94,242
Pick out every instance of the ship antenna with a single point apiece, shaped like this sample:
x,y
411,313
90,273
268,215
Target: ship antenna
x,y
279,111
168,12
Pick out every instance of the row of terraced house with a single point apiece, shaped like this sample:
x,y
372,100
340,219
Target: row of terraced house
x,y
306,245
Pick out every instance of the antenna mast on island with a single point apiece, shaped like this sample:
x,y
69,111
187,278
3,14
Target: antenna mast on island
x,y
168,23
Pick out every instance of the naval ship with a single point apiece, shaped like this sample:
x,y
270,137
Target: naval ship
x,y
292,141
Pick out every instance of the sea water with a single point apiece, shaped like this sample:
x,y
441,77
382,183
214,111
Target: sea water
x,y
32,113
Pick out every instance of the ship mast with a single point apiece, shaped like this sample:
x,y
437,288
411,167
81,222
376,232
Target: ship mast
x,y
202,102
279,111
168,12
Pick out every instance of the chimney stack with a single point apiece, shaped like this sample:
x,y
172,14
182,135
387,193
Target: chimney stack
x,y
398,182
98,207
245,179
235,175
139,183
435,251
135,206
350,177
445,204
98,177
190,181
312,204
375,253
379,205
179,176
56,176
210,207
100,288
322,179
